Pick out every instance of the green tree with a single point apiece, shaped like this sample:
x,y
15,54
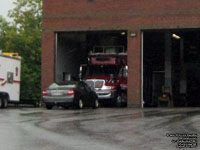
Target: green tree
x,y
23,35
4,26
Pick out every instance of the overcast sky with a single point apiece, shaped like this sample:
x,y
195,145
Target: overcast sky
x,y
5,6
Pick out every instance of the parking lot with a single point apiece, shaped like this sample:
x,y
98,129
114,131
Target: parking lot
x,y
25,128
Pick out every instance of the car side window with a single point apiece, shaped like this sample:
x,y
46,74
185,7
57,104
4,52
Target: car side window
x,y
85,86
81,86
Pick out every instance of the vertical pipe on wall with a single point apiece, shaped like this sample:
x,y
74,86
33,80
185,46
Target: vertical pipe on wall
x,y
142,73
168,63
55,59
183,79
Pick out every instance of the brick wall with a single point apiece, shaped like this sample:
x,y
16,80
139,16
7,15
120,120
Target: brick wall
x,y
134,68
106,14
47,59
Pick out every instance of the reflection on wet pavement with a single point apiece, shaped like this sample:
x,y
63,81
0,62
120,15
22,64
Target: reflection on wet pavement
x,y
89,129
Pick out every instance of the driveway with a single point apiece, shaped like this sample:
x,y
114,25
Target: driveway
x,y
100,129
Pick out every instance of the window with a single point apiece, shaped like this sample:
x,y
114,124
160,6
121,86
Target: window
x,y
84,86
10,77
103,70
81,86
87,88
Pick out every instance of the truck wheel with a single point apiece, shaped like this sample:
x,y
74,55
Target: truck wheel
x,y
5,102
1,102
96,104
49,106
80,103
118,101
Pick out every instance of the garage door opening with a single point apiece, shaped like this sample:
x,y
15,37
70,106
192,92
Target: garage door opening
x,y
171,68
97,57
72,49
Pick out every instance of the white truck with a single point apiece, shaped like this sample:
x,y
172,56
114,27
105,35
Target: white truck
x,y
10,68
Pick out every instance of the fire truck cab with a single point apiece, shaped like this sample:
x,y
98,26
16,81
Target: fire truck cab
x,y
107,74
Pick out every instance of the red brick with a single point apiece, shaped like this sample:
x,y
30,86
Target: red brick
x,y
134,69
47,59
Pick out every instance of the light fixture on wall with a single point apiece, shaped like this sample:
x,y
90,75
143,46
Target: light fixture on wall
x,y
133,34
123,33
176,36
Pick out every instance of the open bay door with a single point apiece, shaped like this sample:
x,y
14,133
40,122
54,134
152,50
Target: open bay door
x,y
171,68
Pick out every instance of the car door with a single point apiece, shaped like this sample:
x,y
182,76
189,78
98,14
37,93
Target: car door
x,y
90,94
83,92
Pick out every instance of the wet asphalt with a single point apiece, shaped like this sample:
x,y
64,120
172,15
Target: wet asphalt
x,y
100,129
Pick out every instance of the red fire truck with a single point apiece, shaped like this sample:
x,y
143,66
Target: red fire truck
x,y
107,73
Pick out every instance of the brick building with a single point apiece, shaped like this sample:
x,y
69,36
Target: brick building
x,y
142,20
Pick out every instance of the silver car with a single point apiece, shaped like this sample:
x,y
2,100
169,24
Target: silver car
x,y
71,93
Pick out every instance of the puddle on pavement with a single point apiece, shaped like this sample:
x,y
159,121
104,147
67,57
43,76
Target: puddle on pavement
x,y
32,114
170,113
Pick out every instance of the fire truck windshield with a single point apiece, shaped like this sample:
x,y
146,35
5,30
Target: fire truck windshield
x,y
103,70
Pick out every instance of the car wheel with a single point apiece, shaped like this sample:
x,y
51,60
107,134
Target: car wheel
x,y
5,102
1,102
80,103
49,106
118,101
96,104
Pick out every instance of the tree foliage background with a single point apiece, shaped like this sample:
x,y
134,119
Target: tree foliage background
x,y
23,35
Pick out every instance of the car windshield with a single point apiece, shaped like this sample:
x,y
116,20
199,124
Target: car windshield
x,y
102,70
63,85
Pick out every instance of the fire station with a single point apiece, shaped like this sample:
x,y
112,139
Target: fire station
x,y
161,39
